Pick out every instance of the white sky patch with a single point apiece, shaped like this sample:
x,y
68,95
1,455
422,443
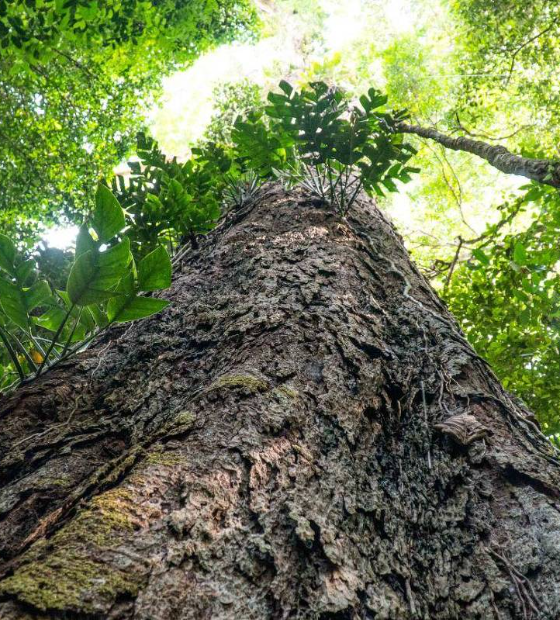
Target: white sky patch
x,y
186,108
61,237
187,105
400,15
344,23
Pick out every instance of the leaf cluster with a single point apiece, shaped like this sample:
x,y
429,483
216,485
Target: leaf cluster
x,y
318,137
507,299
166,200
76,77
41,325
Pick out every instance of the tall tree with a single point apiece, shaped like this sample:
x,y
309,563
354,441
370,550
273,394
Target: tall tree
x,y
303,433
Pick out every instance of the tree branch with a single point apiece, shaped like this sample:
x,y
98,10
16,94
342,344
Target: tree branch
x,y
523,45
486,136
545,171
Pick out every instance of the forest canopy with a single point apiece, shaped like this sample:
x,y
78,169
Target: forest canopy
x,y
77,78
311,93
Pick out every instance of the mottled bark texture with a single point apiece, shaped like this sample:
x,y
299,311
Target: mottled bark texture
x,y
545,171
303,434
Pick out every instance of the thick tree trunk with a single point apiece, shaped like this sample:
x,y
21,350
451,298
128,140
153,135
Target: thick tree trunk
x,y
304,433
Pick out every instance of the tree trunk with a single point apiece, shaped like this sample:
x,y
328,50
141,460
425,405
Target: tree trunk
x,y
303,434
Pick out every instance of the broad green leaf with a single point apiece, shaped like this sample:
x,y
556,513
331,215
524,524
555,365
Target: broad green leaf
x,y
98,315
18,302
86,319
7,254
94,275
36,295
84,241
12,301
154,270
132,308
108,217
51,319
24,270
286,87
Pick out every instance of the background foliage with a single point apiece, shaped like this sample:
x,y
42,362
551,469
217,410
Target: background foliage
x,y
76,78
314,136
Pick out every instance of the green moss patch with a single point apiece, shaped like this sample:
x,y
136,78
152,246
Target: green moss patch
x,y
66,572
285,392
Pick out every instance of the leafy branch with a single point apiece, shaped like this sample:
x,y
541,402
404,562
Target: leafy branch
x,y
315,137
318,138
104,287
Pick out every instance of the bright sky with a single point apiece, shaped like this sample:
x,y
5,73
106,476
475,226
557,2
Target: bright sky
x,y
187,104
61,237
343,23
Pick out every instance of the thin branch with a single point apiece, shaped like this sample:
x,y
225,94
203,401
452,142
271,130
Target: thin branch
x,y
458,197
453,264
69,340
487,136
487,236
54,340
25,353
12,354
514,55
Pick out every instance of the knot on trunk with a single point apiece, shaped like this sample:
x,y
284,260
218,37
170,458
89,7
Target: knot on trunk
x,y
463,428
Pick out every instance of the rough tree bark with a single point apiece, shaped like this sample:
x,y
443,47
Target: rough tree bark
x,y
545,171
303,434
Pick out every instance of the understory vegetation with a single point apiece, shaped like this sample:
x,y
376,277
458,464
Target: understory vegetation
x,y
314,137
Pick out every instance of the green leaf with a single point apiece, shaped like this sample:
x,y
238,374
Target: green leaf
x,y
94,275
84,241
36,295
287,88
18,302
154,271
123,309
13,303
108,217
481,256
7,254
51,319
533,194
99,316
129,306
24,270
520,254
